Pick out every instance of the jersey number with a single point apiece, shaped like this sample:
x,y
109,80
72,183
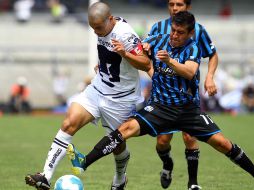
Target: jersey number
x,y
206,118
109,65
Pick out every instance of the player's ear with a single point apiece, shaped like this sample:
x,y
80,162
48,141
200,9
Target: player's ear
x,y
191,33
111,18
188,7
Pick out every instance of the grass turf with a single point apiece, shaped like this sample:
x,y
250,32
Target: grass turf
x,y
25,141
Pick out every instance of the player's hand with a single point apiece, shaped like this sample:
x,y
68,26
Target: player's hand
x,y
163,56
210,86
147,48
118,47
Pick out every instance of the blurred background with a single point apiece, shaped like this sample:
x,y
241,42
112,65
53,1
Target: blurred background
x,y
44,50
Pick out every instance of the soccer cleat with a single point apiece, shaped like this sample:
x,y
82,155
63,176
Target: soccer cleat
x,y
77,159
38,181
166,178
194,187
119,187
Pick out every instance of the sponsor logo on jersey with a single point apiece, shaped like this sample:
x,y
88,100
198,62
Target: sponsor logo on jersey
x,y
166,71
212,45
113,35
105,43
149,108
133,39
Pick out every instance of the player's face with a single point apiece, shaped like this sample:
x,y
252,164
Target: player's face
x,y
101,27
179,35
175,6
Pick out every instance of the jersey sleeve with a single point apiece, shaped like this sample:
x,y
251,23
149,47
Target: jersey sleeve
x,y
151,40
193,53
132,43
205,44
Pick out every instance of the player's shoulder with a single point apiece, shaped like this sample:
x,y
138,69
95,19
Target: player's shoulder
x,y
120,19
168,20
155,27
199,27
192,44
122,26
124,31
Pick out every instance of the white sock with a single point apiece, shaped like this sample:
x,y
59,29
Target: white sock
x,y
121,161
56,153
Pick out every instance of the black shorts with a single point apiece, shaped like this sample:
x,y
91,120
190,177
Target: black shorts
x,y
156,119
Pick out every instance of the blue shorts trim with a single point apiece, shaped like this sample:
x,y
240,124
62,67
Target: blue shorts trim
x,y
208,134
148,123
170,132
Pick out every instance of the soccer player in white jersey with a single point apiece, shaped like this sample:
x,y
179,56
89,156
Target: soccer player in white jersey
x,y
112,95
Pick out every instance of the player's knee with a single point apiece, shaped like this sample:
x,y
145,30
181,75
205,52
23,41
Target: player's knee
x,y
163,141
129,129
71,124
189,141
220,143
225,145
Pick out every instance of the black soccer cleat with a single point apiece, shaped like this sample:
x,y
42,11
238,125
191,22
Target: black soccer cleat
x,y
166,178
38,181
119,187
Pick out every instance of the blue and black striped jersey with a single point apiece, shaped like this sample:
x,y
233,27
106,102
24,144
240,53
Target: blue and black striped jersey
x,y
201,37
168,88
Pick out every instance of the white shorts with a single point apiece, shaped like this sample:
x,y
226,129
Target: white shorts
x,y
112,113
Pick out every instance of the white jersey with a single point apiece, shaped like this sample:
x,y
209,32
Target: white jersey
x,y
118,79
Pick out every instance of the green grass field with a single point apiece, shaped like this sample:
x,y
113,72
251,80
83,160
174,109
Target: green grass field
x,y
25,141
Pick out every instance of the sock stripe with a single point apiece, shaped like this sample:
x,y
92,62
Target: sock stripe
x,y
64,146
61,142
123,160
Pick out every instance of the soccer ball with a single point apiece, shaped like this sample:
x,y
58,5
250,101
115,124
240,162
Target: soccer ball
x,y
69,182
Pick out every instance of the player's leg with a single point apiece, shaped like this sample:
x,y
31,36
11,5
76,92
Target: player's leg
x,y
108,144
163,149
206,130
144,122
122,156
232,151
214,137
113,114
192,157
76,117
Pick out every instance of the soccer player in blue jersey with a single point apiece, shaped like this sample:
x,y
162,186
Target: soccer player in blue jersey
x,y
163,147
174,103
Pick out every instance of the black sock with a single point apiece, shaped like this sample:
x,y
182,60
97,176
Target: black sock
x,y
166,159
238,156
192,156
104,147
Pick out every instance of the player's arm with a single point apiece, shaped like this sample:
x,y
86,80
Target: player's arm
x,y
209,84
186,70
151,71
136,57
209,50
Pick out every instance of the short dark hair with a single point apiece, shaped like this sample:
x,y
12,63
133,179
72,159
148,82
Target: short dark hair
x,y
184,18
187,2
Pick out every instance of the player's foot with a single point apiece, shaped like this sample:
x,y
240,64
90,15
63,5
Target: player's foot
x,y
77,160
166,178
38,181
119,187
194,187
